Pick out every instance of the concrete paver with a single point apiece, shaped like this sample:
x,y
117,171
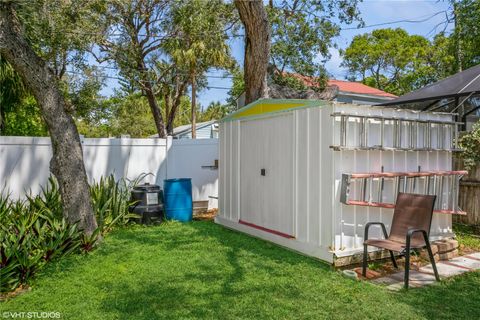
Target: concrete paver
x,y
425,275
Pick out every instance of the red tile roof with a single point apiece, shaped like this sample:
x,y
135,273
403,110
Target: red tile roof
x,y
347,86
359,88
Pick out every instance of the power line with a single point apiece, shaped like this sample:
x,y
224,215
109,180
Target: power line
x,y
152,82
153,35
182,73
446,22
395,22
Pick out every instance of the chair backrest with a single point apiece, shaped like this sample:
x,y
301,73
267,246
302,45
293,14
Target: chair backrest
x,y
412,211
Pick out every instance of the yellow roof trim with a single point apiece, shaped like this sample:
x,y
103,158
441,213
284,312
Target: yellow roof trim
x,y
268,106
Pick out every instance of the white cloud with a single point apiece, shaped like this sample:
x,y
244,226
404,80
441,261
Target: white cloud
x,y
333,65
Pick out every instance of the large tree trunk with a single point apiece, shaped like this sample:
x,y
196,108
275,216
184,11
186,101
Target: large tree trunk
x,y
257,48
168,108
67,161
177,99
157,115
152,100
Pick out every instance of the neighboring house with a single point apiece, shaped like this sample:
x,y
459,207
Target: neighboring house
x,y
336,90
353,92
205,130
358,93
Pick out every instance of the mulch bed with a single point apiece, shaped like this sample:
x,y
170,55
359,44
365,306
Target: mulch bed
x,y
208,215
16,292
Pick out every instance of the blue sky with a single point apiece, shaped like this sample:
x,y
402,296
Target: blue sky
x,y
372,12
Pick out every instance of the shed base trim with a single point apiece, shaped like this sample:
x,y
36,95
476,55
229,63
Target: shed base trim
x,y
278,233
309,249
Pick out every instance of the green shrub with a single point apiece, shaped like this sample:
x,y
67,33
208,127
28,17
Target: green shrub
x,y
470,144
111,200
49,199
34,232
30,237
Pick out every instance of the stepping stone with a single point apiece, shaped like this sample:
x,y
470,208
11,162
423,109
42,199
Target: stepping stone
x,y
400,285
399,276
444,270
421,278
395,287
385,281
475,255
466,262
425,275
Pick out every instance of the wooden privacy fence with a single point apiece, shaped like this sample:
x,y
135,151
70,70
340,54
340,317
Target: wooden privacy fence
x,y
469,195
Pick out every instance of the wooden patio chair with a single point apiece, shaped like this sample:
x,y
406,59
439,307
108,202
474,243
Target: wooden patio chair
x,y
411,223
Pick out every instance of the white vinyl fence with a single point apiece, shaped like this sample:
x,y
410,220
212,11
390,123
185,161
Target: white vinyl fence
x,y
24,162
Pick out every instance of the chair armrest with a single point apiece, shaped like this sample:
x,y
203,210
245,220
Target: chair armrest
x,y
410,233
367,226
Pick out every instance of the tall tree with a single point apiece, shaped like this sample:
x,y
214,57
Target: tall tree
x,y
61,33
257,48
238,88
303,33
200,43
133,34
67,161
395,61
465,35
171,86
215,111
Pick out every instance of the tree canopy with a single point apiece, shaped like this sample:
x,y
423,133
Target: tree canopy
x,y
156,44
464,38
303,32
61,33
395,61
291,36
67,159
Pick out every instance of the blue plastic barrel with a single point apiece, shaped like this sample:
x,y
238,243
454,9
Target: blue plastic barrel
x,y
177,195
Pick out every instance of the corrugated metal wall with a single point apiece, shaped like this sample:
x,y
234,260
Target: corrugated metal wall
x,y
349,221
322,226
313,176
310,177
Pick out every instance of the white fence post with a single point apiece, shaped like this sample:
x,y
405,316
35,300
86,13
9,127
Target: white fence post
x,y
168,148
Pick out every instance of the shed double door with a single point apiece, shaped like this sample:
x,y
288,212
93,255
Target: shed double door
x,y
266,174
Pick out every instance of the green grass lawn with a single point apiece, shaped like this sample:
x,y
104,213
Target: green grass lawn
x,y
201,270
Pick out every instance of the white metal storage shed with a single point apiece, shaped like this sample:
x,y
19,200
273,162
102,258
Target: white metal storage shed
x,y
308,175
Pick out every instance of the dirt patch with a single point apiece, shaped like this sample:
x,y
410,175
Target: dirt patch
x,y
209,215
382,268
20,290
